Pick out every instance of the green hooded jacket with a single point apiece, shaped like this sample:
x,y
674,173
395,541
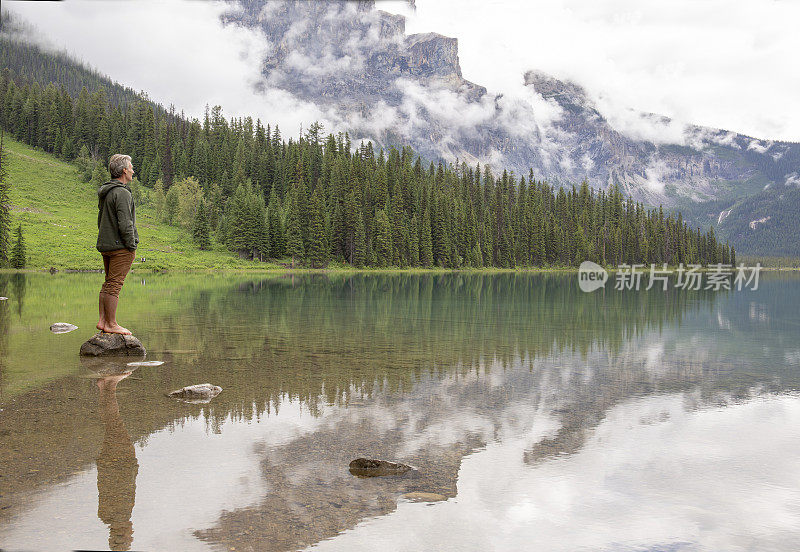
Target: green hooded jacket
x,y
116,221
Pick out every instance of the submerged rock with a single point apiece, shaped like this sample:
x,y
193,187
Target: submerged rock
x,y
365,467
62,327
420,496
102,344
196,394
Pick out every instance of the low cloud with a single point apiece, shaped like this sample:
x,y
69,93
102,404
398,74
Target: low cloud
x,y
703,63
445,105
759,146
655,173
793,179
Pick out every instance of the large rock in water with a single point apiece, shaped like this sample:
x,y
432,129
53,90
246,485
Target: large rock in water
x,y
103,344
367,467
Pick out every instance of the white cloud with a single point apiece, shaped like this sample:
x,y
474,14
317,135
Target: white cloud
x,y
759,146
712,63
641,126
380,117
586,163
296,29
793,179
656,172
445,105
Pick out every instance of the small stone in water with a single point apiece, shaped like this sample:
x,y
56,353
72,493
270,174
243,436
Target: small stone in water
x,y
146,363
201,393
62,327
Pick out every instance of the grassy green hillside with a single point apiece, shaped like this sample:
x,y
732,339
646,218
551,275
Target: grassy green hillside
x,y
58,212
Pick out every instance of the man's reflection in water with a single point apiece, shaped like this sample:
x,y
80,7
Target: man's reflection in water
x,y
116,469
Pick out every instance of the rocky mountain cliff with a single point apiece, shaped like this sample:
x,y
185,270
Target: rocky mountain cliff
x,y
357,64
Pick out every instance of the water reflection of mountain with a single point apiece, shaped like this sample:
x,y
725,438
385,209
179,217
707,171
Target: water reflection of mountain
x,y
421,369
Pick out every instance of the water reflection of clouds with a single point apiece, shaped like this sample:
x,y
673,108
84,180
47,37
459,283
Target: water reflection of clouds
x,y
188,474
652,474
648,470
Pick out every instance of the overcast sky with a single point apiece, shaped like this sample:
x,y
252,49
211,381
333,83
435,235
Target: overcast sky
x,y
718,63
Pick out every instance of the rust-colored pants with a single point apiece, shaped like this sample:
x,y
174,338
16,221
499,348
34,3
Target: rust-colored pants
x,y
117,263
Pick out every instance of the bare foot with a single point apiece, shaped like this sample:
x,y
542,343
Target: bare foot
x,y
117,329
100,327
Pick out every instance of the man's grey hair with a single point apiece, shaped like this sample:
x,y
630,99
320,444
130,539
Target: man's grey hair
x,y
118,163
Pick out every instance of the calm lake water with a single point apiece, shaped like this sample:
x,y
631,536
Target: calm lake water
x,y
538,417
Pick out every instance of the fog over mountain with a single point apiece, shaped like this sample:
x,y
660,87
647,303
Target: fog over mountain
x,y
357,64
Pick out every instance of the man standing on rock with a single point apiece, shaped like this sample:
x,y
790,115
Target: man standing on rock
x,y
117,238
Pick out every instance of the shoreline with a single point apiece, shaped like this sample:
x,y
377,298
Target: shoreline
x,y
347,270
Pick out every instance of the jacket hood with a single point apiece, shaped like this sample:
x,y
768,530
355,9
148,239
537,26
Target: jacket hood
x,y
108,186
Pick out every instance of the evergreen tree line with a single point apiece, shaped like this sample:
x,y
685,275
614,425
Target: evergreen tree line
x,y
34,64
317,198
17,257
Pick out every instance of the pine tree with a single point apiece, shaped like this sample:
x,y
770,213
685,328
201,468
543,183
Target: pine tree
x,y
264,243
359,255
18,255
234,230
399,229
85,163
277,237
294,236
167,169
413,242
440,234
202,229
582,248
255,223
425,241
317,246
99,175
383,239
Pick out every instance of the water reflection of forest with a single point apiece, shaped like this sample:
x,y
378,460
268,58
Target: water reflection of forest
x,y
361,329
